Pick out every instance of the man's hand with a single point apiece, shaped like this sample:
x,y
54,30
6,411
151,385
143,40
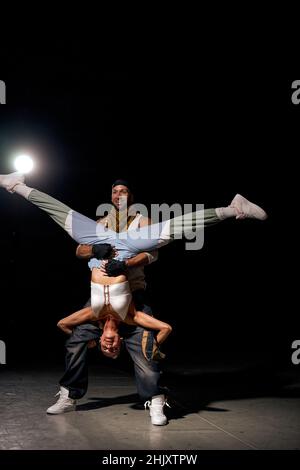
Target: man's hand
x,y
102,268
115,267
90,251
84,251
102,251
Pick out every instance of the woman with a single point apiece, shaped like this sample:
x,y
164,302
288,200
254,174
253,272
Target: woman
x,y
112,304
111,295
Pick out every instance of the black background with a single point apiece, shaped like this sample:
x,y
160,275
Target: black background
x,y
181,130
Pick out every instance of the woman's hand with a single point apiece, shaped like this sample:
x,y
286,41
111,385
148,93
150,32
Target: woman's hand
x,y
157,355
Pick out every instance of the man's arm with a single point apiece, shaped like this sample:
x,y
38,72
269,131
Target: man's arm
x,y
84,251
99,251
142,259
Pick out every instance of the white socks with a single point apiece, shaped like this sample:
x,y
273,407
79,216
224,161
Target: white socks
x,y
226,212
22,190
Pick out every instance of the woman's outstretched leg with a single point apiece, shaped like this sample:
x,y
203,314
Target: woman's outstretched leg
x,y
156,235
82,229
239,208
87,231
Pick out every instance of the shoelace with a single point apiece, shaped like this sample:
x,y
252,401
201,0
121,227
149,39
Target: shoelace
x,y
148,404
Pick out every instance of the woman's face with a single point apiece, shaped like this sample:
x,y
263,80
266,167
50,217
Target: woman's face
x,y
110,343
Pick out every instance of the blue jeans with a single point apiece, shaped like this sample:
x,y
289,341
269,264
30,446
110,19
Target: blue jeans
x,y
147,371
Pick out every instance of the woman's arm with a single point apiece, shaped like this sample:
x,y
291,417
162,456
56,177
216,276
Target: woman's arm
x,y
78,318
146,321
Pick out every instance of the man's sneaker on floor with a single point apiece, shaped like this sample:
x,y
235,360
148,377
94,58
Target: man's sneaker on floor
x,y
156,407
63,404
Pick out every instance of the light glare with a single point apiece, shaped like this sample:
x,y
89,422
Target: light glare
x,y
24,163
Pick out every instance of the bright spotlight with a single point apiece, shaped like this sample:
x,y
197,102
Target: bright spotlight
x,y
24,163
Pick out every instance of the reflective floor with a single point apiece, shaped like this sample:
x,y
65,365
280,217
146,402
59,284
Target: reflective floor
x,y
223,408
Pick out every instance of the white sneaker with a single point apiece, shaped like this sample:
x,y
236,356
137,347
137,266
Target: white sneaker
x,y
156,407
247,209
63,404
8,182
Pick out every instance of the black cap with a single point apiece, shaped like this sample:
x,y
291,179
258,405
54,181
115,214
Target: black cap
x,y
122,182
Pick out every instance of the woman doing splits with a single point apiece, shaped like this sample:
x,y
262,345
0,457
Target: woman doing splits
x,y
111,296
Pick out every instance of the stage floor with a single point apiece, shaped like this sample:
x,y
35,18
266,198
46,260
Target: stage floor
x,y
211,409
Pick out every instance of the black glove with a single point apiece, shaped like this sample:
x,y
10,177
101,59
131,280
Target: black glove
x,y
102,251
115,267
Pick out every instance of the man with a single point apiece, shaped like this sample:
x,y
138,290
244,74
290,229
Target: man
x,y
140,343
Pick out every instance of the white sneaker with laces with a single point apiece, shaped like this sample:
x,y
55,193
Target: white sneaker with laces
x,y
156,407
63,404
247,209
8,182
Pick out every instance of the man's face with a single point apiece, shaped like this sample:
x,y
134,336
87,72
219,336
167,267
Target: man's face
x,y
119,196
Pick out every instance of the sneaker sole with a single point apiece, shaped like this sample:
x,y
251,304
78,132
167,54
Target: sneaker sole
x,y
60,412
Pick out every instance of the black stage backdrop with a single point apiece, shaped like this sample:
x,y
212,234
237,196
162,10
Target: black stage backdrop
x,y
186,137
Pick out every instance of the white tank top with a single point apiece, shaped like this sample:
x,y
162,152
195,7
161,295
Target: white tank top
x,y
135,223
